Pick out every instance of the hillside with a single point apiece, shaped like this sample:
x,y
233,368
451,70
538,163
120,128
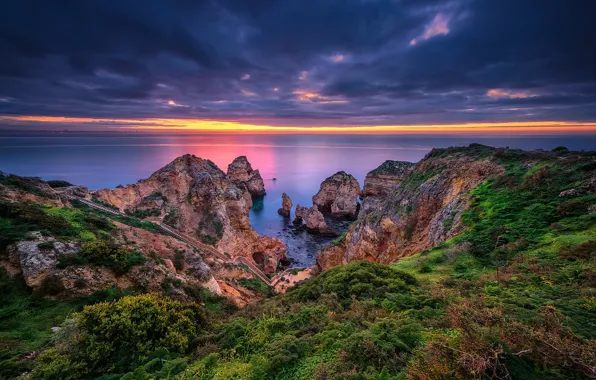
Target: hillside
x,y
474,263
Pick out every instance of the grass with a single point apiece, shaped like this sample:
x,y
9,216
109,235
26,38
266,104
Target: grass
x,y
26,321
151,227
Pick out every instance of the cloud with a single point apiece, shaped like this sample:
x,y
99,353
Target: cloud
x,y
331,62
337,58
500,93
438,26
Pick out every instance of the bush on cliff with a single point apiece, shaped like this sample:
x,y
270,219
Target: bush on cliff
x,y
102,253
115,337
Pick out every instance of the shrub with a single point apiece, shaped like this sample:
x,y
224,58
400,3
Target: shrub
x,y
50,286
46,245
583,251
362,280
100,252
58,183
115,337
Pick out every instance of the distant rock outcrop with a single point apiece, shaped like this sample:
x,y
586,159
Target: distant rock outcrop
x,y
195,197
338,195
387,177
286,205
240,172
313,218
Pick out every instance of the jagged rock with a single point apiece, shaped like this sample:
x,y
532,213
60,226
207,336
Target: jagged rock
x,y
338,195
240,172
198,199
386,178
286,205
78,191
420,213
38,256
313,218
331,256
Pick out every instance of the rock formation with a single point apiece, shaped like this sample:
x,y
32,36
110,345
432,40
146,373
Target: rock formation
x,y
338,195
240,172
195,197
426,209
286,205
313,218
386,178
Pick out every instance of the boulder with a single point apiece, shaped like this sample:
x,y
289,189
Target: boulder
x,y
313,218
38,256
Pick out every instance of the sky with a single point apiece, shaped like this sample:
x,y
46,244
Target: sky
x,y
298,65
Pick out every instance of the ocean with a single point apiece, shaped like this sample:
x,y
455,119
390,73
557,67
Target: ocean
x,y
298,162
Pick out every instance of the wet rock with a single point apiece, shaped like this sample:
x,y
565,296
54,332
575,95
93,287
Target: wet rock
x,y
313,218
338,195
286,205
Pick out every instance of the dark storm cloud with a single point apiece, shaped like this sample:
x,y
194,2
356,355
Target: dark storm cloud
x,y
294,61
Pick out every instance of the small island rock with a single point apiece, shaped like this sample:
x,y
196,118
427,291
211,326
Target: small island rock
x,y
241,172
286,205
338,195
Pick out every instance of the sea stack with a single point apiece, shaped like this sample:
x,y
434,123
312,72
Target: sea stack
x,y
286,205
338,196
314,220
240,172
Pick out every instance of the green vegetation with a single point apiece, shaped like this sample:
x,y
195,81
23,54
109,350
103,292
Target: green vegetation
x,y
118,336
210,229
152,227
143,213
26,320
119,259
256,285
512,297
58,183
26,184
17,219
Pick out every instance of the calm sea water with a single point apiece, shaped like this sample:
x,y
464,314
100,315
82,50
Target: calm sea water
x,y
298,162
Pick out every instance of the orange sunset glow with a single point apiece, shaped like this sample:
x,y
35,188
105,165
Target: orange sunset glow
x,y
157,125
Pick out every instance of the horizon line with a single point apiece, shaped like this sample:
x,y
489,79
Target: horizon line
x,y
158,125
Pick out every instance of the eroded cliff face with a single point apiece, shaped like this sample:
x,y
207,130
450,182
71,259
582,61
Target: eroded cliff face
x,y
195,197
383,180
425,209
338,195
240,172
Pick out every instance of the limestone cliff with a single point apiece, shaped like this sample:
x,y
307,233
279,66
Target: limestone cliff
x,y
383,180
241,172
425,208
338,195
195,197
